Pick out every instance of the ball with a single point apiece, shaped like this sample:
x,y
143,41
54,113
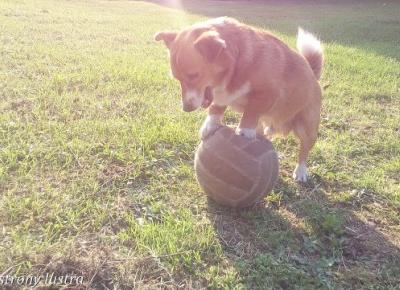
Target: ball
x,y
236,171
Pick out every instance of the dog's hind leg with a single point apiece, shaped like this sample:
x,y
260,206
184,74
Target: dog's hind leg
x,y
306,130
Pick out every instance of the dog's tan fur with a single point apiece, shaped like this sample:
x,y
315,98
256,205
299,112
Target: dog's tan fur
x,y
274,87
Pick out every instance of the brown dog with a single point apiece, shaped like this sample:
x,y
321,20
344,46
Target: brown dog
x,y
222,62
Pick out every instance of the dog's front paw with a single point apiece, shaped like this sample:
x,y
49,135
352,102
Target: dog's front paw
x,y
300,173
210,125
247,133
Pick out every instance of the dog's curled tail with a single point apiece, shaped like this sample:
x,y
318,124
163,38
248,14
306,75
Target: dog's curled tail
x,y
310,47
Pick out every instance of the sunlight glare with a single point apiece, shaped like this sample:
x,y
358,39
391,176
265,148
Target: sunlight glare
x,y
181,19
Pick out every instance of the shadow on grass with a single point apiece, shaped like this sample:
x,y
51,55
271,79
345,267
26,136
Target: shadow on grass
x,y
368,25
305,241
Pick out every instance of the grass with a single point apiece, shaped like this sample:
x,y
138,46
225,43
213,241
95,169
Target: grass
x,y
96,156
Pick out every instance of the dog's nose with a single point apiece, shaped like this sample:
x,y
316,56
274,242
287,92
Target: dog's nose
x,y
187,107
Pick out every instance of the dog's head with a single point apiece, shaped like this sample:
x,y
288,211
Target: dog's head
x,y
199,60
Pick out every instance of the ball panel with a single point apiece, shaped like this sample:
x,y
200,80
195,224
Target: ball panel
x,y
274,169
221,199
237,140
258,147
218,190
217,166
267,176
235,157
226,132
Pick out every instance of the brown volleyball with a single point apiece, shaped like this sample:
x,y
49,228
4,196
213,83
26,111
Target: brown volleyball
x,y
235,171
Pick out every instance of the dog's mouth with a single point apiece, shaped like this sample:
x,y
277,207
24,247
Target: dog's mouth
x,y
208,98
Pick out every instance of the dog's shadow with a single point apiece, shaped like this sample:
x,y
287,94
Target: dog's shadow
x,y
299,236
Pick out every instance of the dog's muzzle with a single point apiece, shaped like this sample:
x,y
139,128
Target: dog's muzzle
x,y
193,101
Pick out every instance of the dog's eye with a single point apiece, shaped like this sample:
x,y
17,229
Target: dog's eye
x,y
192,76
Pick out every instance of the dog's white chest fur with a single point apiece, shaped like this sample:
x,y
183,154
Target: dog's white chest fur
x,y
234,99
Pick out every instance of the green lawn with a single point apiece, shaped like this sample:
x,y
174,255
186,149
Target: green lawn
x,y
96,156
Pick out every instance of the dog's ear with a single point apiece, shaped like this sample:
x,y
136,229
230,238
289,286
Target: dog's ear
x,y
210,45
167,36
